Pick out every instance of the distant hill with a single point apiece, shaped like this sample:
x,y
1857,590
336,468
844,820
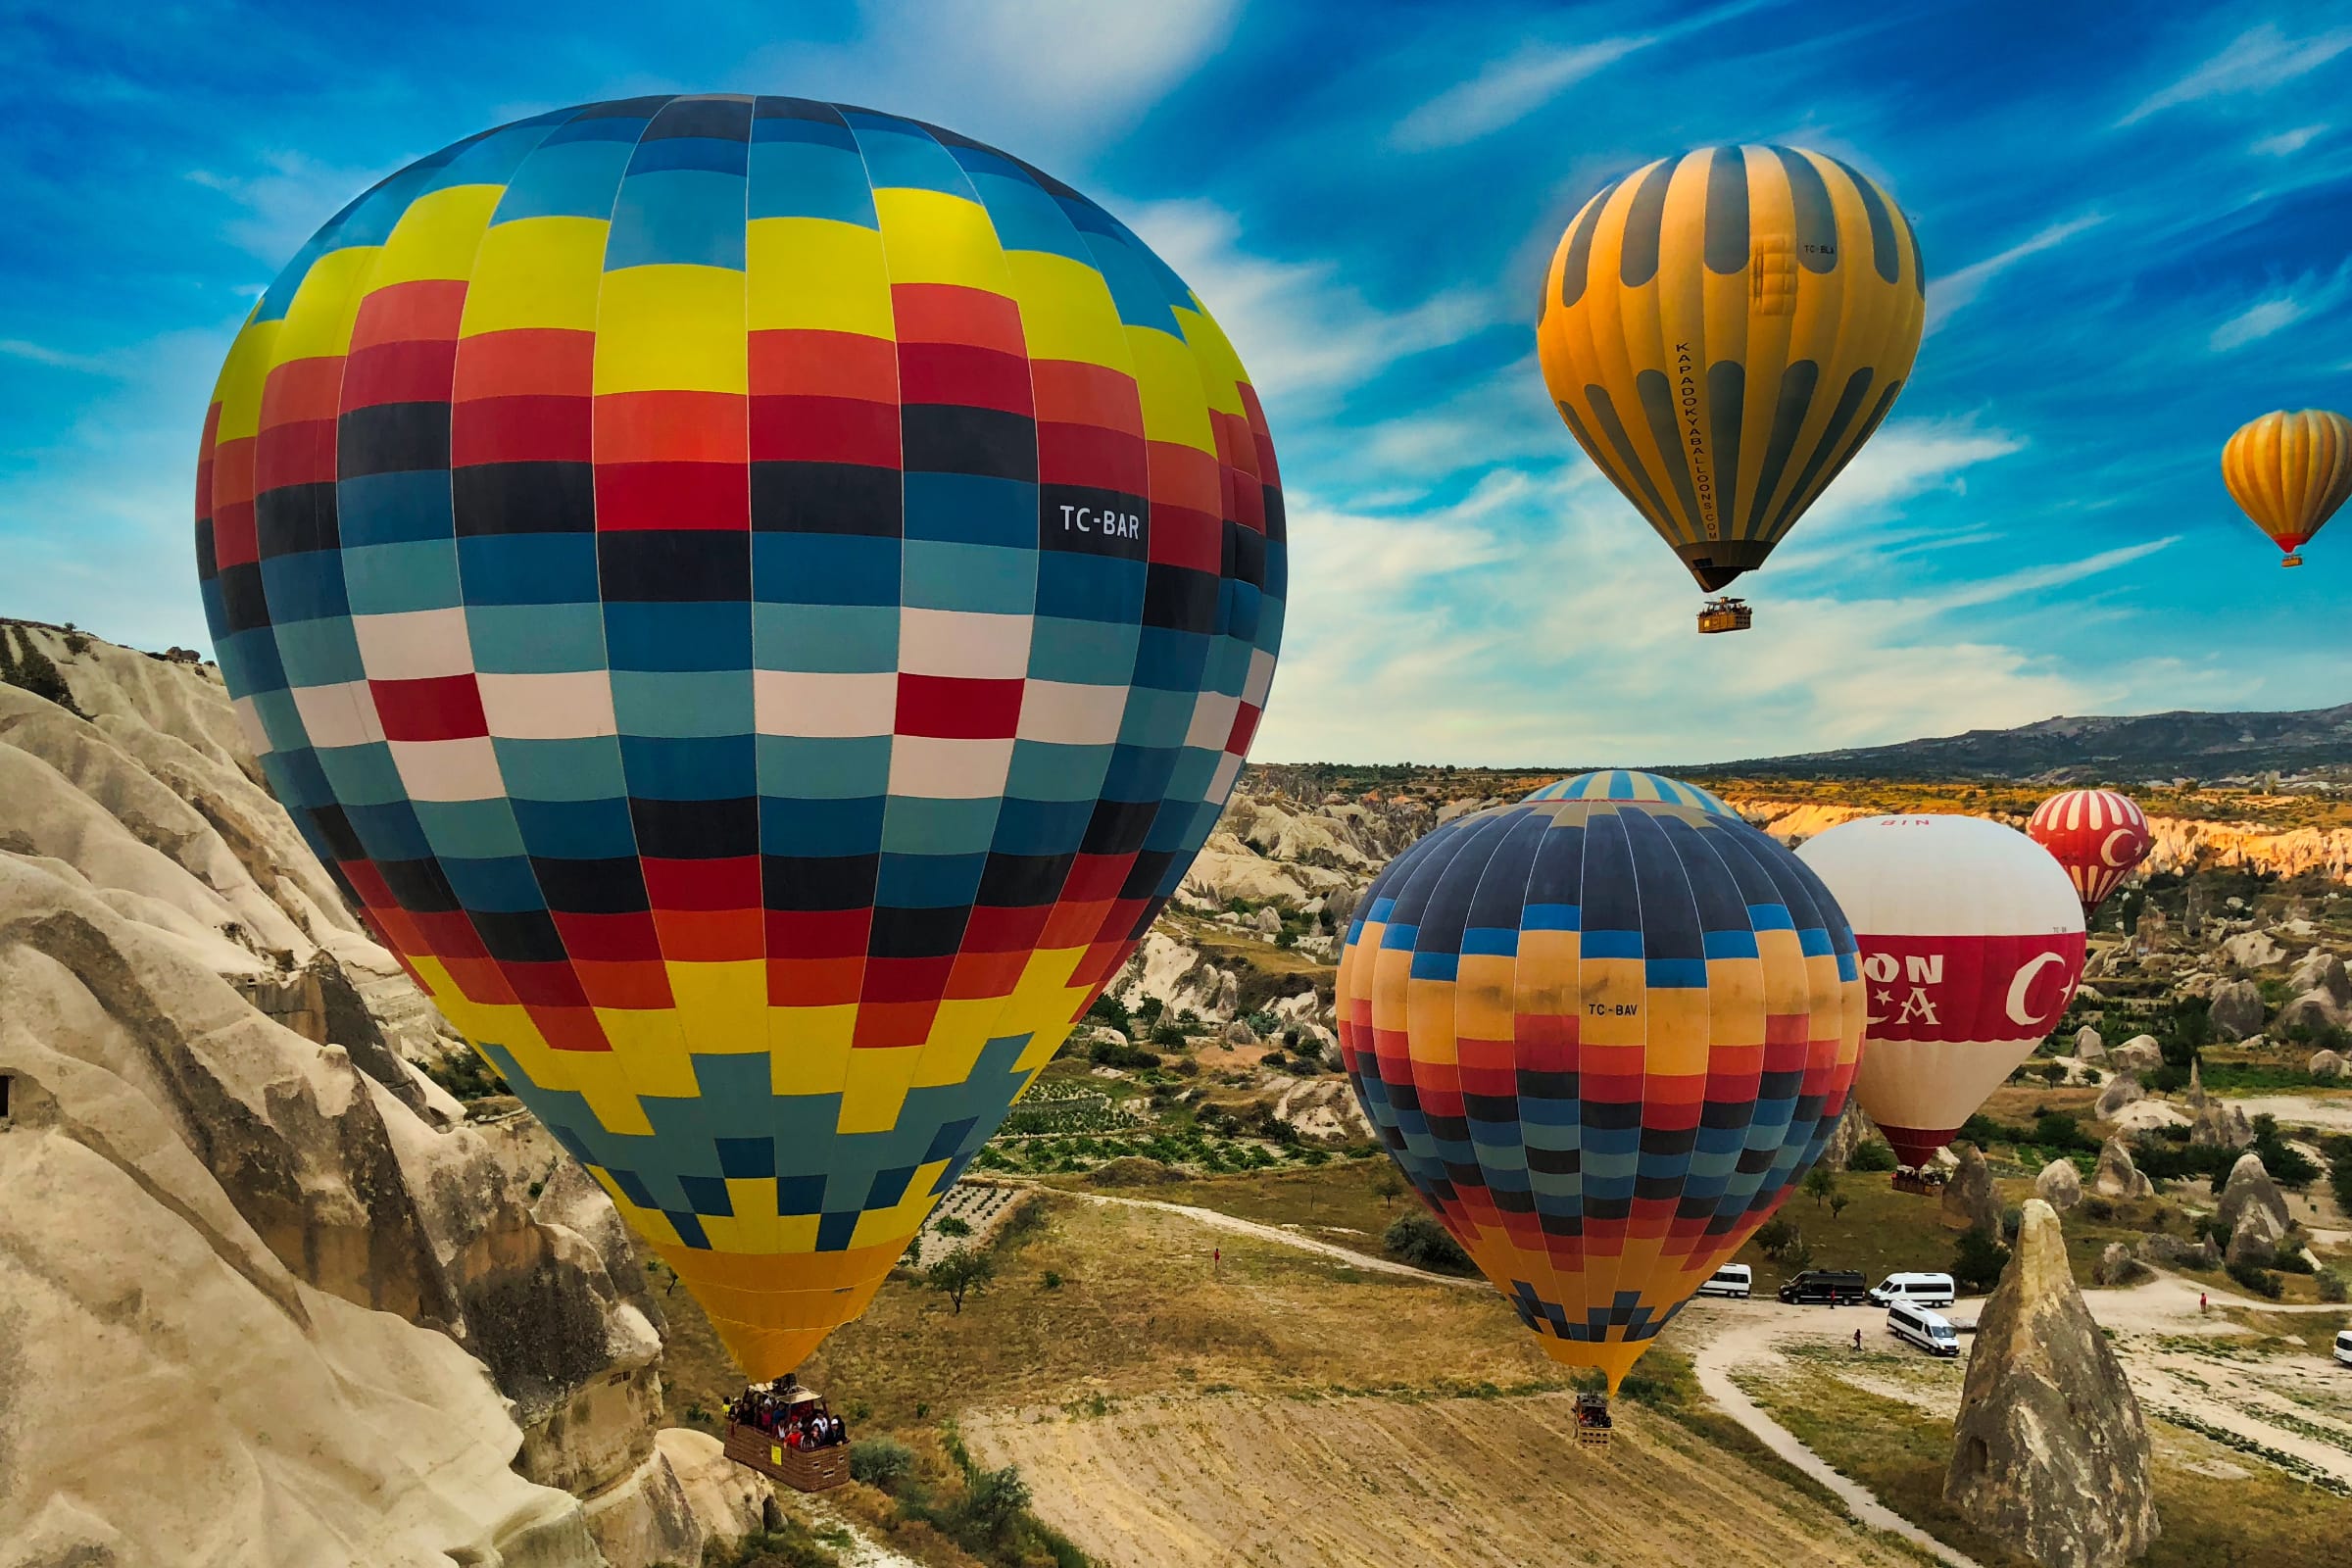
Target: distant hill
x,y
2143,747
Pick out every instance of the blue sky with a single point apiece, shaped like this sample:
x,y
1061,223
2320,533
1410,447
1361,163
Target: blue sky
x,y
2137,227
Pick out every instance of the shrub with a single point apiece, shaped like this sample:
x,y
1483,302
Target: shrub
x,y
1119,1054
1166,1033
952,1225
1110,1009
1870,1157
992,1500
1978,1259
1051,1281
2261,1280
2332,1285
2099,1210
1422,1242
2013,1220
880,1462
1775,1237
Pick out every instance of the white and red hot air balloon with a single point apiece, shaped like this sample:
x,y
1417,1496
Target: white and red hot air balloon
x,y
1971,944
2097,835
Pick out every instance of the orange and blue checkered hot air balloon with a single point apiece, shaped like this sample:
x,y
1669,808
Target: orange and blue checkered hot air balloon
x,y
1605,1031
760,601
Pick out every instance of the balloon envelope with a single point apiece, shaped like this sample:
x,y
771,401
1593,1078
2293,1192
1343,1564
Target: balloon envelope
x,y
1972,945
2289,471
1722,331
1603,1033
759,601
2096,836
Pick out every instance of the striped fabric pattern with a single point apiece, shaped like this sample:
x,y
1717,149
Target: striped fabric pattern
x,y
759,601
1625,784
2097,835
2289,471
1722,331
1603,1037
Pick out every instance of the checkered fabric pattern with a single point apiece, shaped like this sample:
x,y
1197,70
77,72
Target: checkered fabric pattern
x,y
1604,1032
759,601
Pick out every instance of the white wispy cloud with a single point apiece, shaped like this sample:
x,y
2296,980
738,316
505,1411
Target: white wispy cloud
x,y
1302,331
57,359
1957,290
2281,308
278,210
2288,141
1507,91
1570,642
1044,80
2255,61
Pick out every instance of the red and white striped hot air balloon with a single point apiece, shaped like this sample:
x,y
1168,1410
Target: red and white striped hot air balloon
x,y
1971,943
2097,835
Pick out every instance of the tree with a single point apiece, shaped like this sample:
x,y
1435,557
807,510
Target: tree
x,y
952,1225
1387,1185
1820,1183
967,1270
1422,1242
1837,1202
1871,1156
1978,1259
1775,1237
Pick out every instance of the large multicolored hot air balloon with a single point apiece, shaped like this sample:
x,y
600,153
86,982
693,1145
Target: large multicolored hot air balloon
x,y
1972,945
759,601
1604,1032
1722,331
2289,471
2097,835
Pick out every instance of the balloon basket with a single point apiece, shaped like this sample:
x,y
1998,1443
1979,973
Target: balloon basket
x,y
2292,559
1593,1421
1725,614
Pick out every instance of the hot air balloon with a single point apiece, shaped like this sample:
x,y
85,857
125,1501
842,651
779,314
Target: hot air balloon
x,y
759,601
2289,471
1604,1032
2097,835
1972,944
1722,331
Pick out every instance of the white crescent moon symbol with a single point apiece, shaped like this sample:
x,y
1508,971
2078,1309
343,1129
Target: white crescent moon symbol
x,y
2025,979
2107,848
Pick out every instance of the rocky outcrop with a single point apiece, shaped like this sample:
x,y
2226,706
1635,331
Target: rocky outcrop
x,y
1180,977
1854,1129
2122,1089
2215,1123
728,1500
208,1061
2252,950
2116,1266
2252,1208
2167,1250
2323,972
2059,1185
2140,1053
2328,1064
2088,1046
2313,1012
1970,1200
2117,1176
2237,1008
2050,1452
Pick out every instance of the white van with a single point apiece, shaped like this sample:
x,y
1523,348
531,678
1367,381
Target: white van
x,y
1920,1289
1930,1331
1734,1280
2343,1349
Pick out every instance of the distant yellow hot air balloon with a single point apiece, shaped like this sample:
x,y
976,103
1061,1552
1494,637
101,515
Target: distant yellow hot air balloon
x,y
1722,331
2289,471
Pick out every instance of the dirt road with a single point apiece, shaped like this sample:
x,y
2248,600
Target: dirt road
x,y
1284,1238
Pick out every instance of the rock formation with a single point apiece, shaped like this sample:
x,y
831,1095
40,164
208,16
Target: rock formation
x,y
2252,950
2117,1176
1970,1199
2252,1208
2237,1008
2088,1046
2122,1089
2140,1053
2313,1012
1854,1129
355,1337
2050,1452
2329,1065
2116,1266
2059,1185
2178,1251
2323,972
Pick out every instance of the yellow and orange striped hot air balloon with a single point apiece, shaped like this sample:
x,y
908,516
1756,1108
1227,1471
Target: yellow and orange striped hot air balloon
x,y
1722,331
2288,471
